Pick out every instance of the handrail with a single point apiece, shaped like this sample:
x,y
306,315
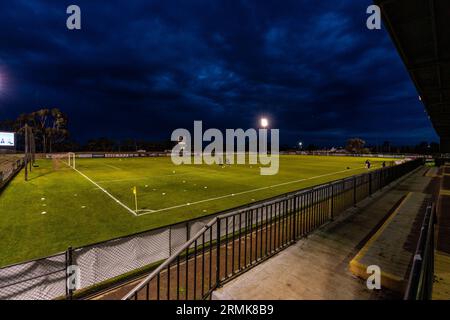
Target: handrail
x,y
419,284
166,263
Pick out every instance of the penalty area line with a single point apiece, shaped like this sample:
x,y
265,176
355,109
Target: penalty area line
x,y
247,191
105,191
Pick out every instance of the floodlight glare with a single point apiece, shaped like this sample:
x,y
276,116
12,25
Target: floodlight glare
x,y
264,122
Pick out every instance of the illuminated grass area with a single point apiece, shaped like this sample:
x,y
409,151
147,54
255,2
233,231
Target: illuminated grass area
x,y
59,207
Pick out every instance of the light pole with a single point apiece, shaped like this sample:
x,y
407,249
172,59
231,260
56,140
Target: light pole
x,y
264,124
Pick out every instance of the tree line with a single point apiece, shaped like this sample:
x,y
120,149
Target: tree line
x,y
49,128
51,134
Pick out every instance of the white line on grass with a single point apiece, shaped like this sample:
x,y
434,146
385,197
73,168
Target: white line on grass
x,y
105,191
248,191
113,167
146,178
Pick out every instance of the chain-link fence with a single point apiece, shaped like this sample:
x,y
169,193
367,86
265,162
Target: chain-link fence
x,y
41,279
47,278
8,169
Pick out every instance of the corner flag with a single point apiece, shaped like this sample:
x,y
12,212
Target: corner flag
x,y
135,197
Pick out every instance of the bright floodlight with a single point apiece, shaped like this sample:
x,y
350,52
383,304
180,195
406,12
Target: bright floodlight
x,y
264,122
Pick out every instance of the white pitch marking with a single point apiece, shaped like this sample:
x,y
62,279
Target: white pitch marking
x,y
253,190
105,191
114,167
146,210
145,178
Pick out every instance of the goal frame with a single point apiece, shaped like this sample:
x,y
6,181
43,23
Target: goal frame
x,y
71,160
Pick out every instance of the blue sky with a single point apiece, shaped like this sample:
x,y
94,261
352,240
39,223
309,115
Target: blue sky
x,y
140,69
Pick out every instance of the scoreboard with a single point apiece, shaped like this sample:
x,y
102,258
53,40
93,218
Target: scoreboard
x,y
7,139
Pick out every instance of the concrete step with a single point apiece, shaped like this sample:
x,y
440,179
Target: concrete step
x,y
390,246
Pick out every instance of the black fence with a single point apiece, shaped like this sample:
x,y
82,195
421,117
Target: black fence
x,y
420,284
232,243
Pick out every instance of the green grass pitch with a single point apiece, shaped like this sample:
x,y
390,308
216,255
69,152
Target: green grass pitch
x,y
59,207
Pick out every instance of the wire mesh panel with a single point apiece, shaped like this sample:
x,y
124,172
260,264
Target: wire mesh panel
x,y
42,279
196,225
113,258
179,234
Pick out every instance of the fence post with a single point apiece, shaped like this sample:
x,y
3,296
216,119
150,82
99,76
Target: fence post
x,y
218,254
170,241
294,237
354,190
69,262
370,183
332,202
187,231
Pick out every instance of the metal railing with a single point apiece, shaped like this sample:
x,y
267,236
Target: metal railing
x,y
420,284
232,243
9,170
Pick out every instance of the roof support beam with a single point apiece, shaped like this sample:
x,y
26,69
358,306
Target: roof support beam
x,y
436,46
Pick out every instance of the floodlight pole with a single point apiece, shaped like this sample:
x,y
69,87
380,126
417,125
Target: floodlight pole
x,y
33,148
26,152
30,148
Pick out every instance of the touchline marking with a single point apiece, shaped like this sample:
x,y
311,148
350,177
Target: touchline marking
x,y
248,191
146,178
114,167
109,194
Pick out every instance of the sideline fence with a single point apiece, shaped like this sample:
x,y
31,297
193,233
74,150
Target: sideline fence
x,y
265,226
8,169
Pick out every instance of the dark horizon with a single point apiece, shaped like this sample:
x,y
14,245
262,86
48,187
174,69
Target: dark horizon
x,y
143,69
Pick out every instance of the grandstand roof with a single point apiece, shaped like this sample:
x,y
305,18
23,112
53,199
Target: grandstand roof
x,y
420,30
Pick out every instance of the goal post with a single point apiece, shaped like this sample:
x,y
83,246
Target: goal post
x,y
71,160
29,150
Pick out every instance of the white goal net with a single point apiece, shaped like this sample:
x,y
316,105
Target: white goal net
x,y
71,160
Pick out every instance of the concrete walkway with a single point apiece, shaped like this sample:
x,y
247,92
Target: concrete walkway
x,y
318,267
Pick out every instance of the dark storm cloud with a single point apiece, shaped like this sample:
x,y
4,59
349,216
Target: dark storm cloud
x,y
143,68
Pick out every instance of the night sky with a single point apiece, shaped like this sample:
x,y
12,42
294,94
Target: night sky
x,y
140,69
